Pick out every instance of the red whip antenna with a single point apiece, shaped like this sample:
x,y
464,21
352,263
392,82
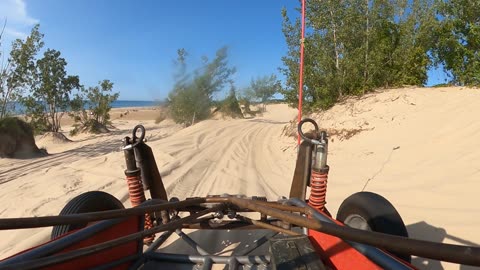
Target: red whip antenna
x,y
300,83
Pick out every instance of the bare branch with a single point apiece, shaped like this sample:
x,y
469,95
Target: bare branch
x,y
3,28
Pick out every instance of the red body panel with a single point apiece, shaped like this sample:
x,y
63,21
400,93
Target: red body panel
x,y
103,257
338,254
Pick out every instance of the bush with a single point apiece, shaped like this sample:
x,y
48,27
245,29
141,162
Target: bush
x,y
89,126
163,114
191,97
15,127
230,106
188,105
16,139
99,101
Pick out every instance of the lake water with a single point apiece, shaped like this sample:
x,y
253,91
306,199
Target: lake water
x,y
19,109
134,103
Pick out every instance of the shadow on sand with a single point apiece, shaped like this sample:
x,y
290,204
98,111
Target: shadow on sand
x,y
103,144
268,121
425,231
24,167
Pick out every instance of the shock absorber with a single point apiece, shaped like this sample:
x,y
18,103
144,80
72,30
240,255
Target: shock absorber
x,y
134,182
319,167
319,174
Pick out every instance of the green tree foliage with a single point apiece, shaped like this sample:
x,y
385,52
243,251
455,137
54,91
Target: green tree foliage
x,y
50,92
99,100
191,97
49,88
458,40
354,46
262,89
230,105
17,73
15,126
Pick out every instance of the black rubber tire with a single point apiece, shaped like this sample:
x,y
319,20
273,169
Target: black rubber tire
x,y
380,215
92,201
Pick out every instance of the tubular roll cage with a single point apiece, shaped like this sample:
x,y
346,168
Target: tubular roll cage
x,y
281,217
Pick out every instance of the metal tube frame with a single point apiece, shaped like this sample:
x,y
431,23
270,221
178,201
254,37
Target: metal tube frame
x,y
287,213
46,261
197,259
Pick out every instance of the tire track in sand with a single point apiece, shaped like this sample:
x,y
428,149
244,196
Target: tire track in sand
x,y
235,157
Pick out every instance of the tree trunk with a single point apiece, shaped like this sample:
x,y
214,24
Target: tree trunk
x,y
4,108
3,72
52,117
367,29
337,53
59,116
3,113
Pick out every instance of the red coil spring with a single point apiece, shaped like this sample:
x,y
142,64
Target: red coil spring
x,y
318,192
137,196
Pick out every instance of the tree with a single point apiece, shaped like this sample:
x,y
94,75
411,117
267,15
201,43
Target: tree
x,y
263,88
98,100
354,46
417,29
19,70
191,98
50,92
459,40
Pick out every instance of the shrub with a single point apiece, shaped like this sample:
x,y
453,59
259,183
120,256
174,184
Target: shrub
x,y
99,102
230,106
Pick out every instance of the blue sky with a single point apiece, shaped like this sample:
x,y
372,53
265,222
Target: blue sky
x,y
134,43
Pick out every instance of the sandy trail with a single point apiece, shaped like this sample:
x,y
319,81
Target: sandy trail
x,y
237,156
211,157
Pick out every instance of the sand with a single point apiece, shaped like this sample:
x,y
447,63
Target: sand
x,y
416,147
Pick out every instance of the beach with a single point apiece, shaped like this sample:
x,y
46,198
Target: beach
x,y
417,147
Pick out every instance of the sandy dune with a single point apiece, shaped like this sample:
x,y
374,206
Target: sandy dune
x,y
416,147
240,156
213,157
420,149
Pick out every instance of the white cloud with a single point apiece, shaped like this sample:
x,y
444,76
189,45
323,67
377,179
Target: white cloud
x,y
12,33
16,12
19,22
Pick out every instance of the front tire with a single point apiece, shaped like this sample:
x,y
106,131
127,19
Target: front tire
x,y
92,201
372,212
